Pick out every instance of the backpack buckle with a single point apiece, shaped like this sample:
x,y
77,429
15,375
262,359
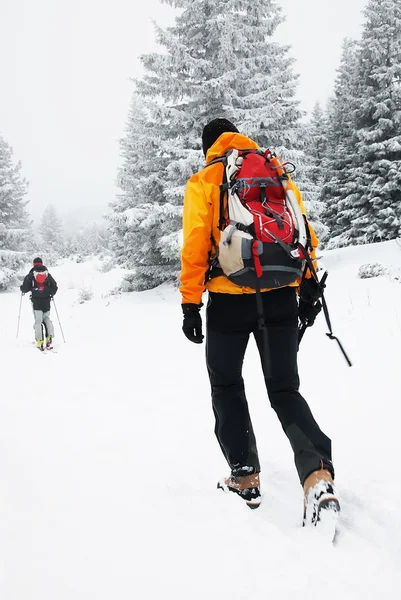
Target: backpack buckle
x,y
296,253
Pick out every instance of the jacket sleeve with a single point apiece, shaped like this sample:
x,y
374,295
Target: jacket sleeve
x,y
26,284
197,244
52,285
313,238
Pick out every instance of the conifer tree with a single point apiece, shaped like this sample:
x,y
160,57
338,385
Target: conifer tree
x,y
338,181
316,144
363,189
51,231
14,221
143,215
375,206
219,61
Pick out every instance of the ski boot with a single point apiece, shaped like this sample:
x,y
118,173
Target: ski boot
x,y
49,342
244,482
40,345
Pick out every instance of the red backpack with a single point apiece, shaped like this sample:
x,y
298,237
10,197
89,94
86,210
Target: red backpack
x,y
264,239
40,278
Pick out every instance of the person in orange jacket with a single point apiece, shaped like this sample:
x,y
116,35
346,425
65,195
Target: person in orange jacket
x,y
232,316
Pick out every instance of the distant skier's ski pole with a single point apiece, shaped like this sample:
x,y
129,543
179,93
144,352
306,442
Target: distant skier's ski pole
x,y
61,329
19,313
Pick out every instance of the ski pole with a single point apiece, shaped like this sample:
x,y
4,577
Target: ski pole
x,y
19,313
330,335
61,329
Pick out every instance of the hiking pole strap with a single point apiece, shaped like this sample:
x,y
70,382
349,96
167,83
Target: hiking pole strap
x,y
330,335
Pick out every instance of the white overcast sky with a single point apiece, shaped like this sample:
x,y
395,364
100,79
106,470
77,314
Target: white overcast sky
x,y
64,82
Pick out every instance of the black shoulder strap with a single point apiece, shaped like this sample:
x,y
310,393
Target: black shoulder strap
x,y
308,235
223,190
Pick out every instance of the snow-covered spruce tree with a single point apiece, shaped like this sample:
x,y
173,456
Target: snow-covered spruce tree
x,y
311,173
375,206
51,231
316,144
219,61
14,220
266,109
338,181
143,217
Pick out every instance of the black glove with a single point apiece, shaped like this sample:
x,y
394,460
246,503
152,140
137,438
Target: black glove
x,y
308,311
192,326
310,290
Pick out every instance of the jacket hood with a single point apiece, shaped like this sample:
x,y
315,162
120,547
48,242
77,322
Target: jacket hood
x,y
229,141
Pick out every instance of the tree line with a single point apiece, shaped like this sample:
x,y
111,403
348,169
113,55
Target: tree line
x,y
220,59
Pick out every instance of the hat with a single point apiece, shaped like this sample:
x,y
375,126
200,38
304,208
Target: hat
x,y
37,261
213,130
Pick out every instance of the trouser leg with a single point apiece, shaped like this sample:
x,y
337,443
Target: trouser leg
x,y
312,448
38,314
226,343
48,323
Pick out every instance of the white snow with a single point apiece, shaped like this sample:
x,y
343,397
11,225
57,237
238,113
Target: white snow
x,y
109,465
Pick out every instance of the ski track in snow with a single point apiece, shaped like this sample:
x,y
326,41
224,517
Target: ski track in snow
x,y
109,465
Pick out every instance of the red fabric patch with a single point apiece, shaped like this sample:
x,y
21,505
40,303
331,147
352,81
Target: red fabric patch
x,y
261,192
254,168
271,218
256,259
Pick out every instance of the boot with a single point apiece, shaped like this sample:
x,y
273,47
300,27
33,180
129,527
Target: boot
x,y
49,342
244,482
40,345
319,495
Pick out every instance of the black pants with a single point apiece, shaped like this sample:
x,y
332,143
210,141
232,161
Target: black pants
x,y
230,321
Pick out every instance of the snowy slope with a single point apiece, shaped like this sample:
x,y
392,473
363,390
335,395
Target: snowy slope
x,y
108,461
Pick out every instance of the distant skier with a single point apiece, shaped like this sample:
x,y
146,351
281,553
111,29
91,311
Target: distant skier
x,y
42,287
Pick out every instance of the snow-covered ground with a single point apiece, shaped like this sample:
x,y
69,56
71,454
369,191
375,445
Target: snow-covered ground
x,y
108,461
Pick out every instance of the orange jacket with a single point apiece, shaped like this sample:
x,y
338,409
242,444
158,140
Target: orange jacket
x,y
200,224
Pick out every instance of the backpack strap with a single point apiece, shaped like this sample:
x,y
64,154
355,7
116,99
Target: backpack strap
x,y
223,189
308,235
261,316
213,262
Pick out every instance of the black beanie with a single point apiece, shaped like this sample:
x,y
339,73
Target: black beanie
x,y
37,261
213,130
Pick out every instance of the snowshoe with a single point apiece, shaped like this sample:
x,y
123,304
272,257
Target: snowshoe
x,y
245,483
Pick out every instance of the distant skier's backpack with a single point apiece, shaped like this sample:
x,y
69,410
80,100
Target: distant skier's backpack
x,y
264,239
40,278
